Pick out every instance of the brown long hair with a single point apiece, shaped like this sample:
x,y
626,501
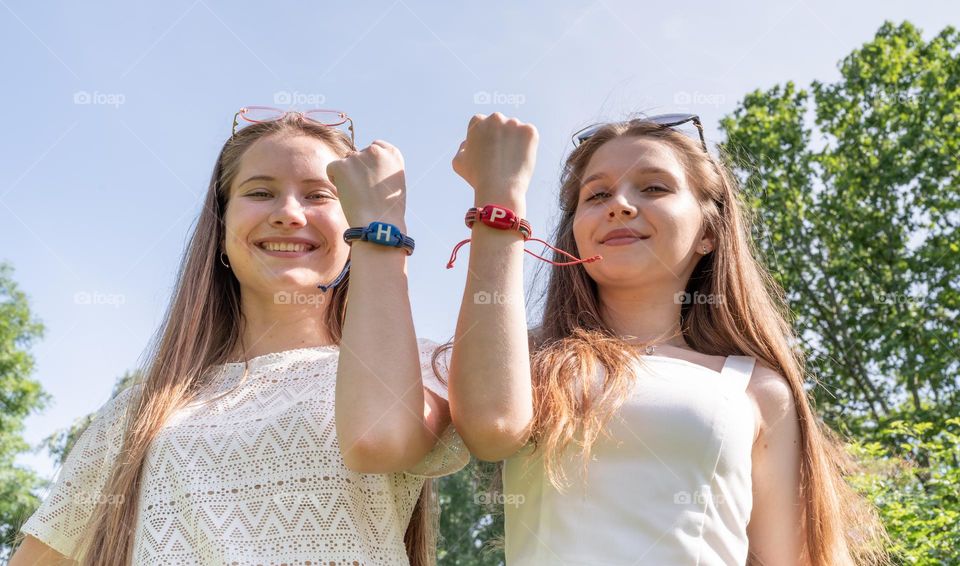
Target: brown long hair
x,y
201,328
752,320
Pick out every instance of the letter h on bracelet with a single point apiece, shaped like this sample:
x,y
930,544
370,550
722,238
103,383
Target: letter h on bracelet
x,y
380,233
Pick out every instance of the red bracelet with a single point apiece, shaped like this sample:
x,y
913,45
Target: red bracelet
x,y
503,218
500,218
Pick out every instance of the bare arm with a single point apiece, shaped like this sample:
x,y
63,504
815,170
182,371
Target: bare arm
x,y
32,552
491,398
776,530
385,420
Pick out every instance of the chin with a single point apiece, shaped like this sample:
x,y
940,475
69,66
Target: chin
x,y
295,278
618,272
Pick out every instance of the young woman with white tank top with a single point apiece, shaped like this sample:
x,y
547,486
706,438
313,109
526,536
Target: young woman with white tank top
x,y
672,479
657,413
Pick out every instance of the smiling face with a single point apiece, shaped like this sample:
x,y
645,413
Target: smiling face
x,y
636,209
283,219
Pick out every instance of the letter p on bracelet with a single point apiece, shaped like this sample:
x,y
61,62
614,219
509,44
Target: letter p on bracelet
x,y
496,213
499,217
502,218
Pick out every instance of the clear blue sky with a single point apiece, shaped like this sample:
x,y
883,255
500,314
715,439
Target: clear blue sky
x,y
115,111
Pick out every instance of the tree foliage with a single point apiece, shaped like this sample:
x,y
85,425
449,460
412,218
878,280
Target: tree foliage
x,y
856,189
19,396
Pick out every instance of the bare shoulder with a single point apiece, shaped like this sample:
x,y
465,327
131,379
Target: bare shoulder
x,y
773,399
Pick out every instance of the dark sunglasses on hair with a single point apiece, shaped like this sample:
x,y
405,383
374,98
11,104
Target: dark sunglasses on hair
x,y
662,120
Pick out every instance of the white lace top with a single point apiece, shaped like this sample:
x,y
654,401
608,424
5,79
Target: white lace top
x,y
254,477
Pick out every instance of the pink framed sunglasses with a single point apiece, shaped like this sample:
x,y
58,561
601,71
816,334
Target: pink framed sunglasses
x,y
260,114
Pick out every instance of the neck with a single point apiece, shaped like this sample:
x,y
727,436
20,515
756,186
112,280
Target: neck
x,y
270,327
648,314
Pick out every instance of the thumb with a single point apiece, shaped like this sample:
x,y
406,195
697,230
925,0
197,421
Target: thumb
x,y
333,168
458,159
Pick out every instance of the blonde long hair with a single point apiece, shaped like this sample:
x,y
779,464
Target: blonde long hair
x,y
201,328
752,320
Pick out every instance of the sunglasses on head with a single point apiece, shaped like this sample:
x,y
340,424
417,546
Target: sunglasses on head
x,y
662,120
260,114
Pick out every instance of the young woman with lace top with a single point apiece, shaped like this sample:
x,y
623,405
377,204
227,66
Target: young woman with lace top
x,y
246,441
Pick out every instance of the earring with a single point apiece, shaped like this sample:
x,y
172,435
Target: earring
x,y
225,264
705,250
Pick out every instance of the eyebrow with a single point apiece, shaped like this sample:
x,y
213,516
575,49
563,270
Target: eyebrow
x,y
642,171
269,178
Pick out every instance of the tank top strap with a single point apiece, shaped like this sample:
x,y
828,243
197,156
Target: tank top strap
x,y
737,371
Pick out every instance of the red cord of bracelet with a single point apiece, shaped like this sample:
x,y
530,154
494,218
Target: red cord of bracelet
x,y
576,260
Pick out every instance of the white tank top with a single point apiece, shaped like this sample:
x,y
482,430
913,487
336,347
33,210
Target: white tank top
x,y
670,485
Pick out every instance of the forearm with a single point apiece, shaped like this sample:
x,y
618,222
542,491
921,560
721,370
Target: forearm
x,y
491,399
379,393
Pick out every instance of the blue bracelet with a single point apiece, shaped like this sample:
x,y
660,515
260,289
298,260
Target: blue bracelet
x,y
380,233
338,280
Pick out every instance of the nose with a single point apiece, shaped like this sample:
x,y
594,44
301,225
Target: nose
x,y
288,213
620,207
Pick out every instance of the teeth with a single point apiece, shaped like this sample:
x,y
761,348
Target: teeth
x,y
285,247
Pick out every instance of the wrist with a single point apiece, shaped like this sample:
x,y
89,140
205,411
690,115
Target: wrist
x,y
509,189
360,251
364,220
515,202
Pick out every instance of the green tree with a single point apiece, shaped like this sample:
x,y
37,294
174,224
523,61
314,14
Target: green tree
x,y
471,521
858,216
19,396
919,498
855,186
